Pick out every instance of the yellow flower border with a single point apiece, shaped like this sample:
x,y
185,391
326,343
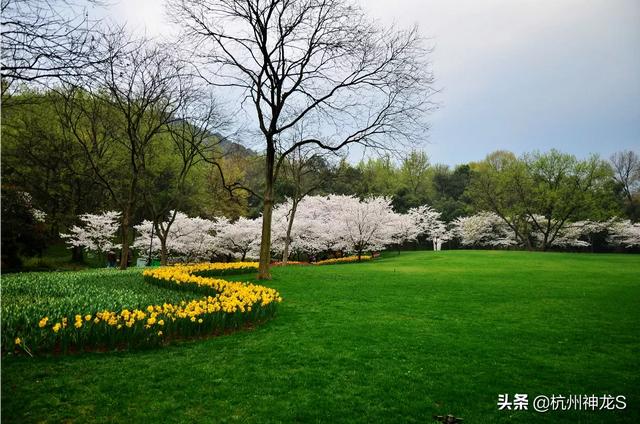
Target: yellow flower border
x,y
229,304
232,295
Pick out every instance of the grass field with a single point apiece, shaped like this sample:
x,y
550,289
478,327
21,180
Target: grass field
x,y
396,340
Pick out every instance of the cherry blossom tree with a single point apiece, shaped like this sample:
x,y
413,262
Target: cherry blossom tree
x,y
569,234
303,172
574,234
439,234
570,237
344,223
624,233
317,227
340,223
38,215
428,222
483,229
367,224
97,233
144,242
405,228
426,218
23,232
240,238
195,238
190,237
282,228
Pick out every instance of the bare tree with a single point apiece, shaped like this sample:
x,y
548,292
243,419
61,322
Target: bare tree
x,y
45,40
194,142
319,61
139,89
626,166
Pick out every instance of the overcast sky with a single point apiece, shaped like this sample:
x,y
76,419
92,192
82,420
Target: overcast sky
x,y
516,75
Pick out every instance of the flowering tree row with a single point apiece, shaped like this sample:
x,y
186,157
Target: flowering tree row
x,y
345,223
322,224
334,223
488,229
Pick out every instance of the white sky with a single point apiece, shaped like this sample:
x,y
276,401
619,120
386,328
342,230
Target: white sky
x,y
515,74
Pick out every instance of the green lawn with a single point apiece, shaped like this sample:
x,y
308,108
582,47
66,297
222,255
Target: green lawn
x,y
396,340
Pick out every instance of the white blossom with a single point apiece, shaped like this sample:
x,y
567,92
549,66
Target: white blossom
x,y
27,200
367,224
97,232
38,215
483,229
623,233
191,238
240,238
429,223
404,227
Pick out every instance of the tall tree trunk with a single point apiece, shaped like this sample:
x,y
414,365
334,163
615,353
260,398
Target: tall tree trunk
x,y
77,254
126,220
162,232
545,242
526,240
287,240
163,252
264,272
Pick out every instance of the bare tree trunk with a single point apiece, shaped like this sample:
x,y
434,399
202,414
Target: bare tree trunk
x,y
545,242
287,240
264,272
163,252
525,240
126,220
283,52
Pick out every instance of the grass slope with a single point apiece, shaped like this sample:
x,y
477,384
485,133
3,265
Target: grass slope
x,y
396,340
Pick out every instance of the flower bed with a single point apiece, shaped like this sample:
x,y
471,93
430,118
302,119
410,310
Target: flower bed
x,y
71,325
344,260
219,268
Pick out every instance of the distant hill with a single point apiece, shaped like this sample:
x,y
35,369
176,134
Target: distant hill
x,y
229,146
